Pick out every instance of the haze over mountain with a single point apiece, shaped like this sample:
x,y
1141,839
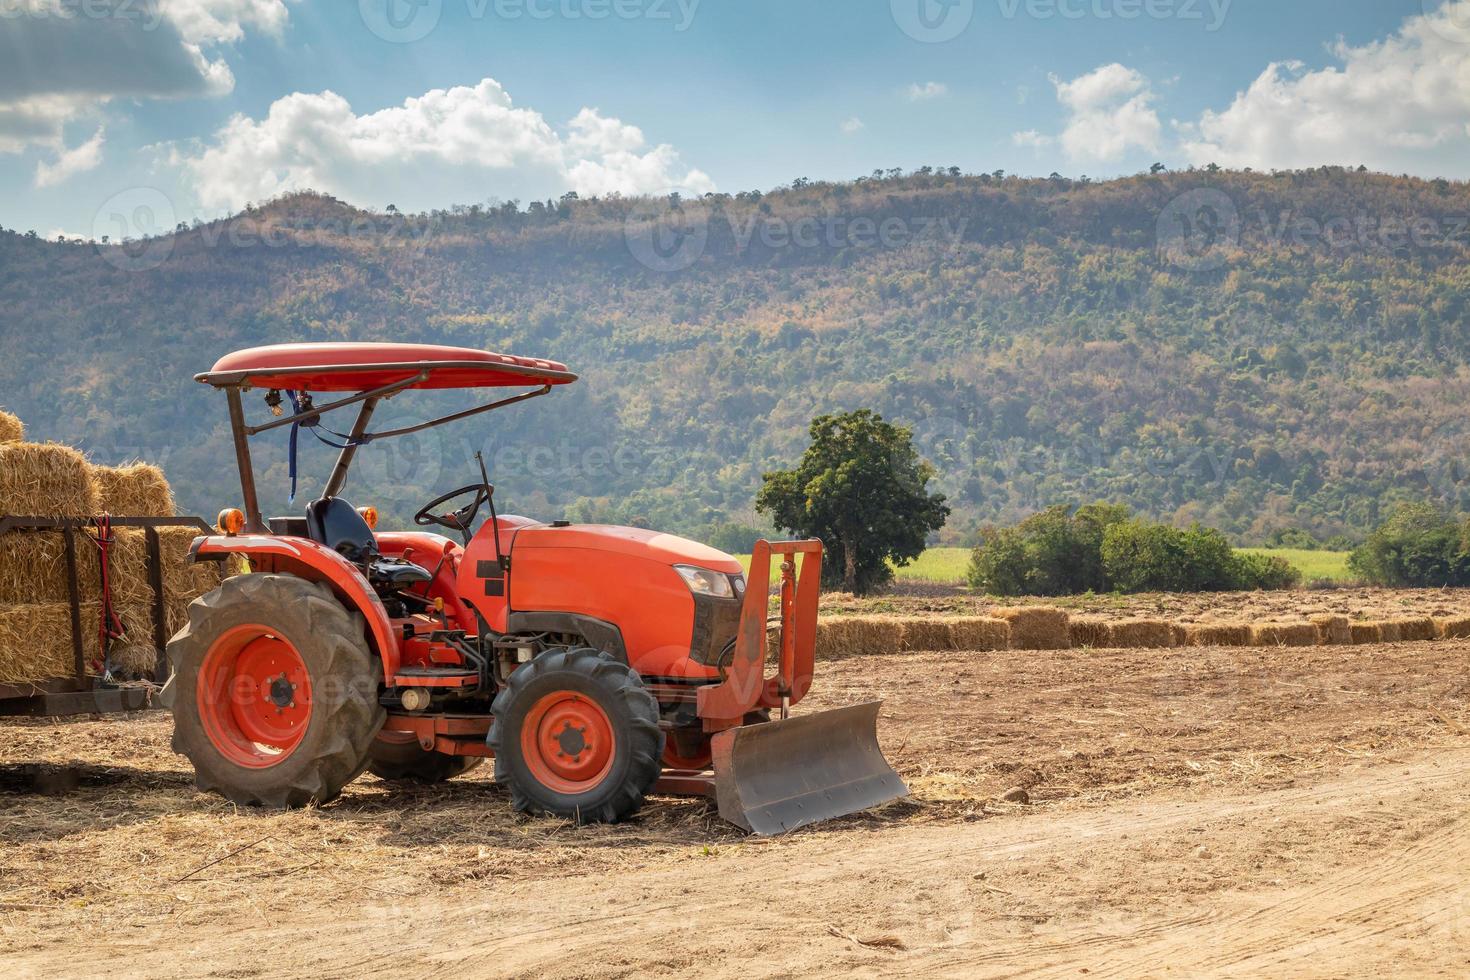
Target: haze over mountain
x,y
1256,351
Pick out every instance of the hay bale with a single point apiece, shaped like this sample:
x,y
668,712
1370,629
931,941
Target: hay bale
x,y
1283,635
1366,633
137,490
1125,633
1181,634
858,636
35,641
1333,630
1415,628
181,580
45,481
33,567
928,634
1217,635
1388,631
980,633
1457,628
11,428
1088,632
1037,627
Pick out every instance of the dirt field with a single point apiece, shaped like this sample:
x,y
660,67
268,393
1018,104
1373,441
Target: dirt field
x,y
1200,607
1297,810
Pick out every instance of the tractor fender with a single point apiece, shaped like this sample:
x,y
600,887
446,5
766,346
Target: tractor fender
x,y
314,562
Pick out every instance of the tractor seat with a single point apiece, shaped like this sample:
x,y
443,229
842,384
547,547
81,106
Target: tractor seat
x,y
335,523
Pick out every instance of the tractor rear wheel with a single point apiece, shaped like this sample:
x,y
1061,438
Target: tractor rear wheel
x,y
276,691
397,757
576,735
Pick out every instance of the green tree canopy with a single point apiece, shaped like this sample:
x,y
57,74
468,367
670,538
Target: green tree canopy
x,y
862,489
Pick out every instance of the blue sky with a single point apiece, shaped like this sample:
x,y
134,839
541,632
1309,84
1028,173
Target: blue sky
x,y
202,105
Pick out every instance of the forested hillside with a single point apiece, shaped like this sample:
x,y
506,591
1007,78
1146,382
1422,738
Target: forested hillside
x,y
1257,351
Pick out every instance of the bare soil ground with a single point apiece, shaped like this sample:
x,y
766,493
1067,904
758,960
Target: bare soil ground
x,y
1201,607
1216,811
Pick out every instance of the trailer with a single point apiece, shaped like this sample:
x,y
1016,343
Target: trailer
x,y
81,693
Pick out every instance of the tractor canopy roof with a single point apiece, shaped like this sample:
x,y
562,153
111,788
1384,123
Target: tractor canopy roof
x,y
363,366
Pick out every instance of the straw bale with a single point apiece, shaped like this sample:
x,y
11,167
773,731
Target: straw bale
x,y
1218,635
1416,628
980,633
45,481
1283,635
929,633
858,636
1457,628
137,490
1389,631
33,567
1037,627
1124,633
11,428
181,580
35,640
1366,632
1088,632
1333,630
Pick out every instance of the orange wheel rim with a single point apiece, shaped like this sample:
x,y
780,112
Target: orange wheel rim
x,y
567,742
254,696
673,760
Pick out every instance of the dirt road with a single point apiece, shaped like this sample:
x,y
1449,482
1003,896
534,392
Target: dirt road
x,y
1300,811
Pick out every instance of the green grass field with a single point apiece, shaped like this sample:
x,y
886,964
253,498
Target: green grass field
x,y
948,565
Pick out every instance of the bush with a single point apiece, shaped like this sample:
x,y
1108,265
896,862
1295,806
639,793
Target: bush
x,y
1055,552
1418,546
1098,548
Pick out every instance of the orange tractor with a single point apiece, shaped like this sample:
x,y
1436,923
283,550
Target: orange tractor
x,y
594,664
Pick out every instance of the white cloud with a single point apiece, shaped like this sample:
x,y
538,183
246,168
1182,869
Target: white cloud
x,y
928,90
1110,112
60,62
71,162
1401,103
1032,139
852,126
446,145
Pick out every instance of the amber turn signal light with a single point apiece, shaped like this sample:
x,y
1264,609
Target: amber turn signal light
x,y
369,517
230,521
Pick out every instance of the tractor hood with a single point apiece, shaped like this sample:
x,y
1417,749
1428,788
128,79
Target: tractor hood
x,y
668,549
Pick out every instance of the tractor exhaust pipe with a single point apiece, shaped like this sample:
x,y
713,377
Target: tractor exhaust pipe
x,y
780,775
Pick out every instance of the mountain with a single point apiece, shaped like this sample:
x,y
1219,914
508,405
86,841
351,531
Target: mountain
x,y
1256,351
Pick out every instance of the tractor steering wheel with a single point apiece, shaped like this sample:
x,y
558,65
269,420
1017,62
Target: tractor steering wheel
x,y
461,518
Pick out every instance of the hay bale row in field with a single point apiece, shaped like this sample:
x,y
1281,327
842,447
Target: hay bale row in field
x,y
1037,627
45,481
11,428
856,636
136,490
1147,633
1217,635
1088,632
1416,628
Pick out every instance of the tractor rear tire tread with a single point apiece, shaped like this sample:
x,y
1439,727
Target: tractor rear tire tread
x,y
345,673
638,767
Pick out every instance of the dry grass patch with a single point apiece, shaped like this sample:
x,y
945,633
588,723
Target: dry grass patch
x,y
1037,627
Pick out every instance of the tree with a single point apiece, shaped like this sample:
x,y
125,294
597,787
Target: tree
x,y
861,488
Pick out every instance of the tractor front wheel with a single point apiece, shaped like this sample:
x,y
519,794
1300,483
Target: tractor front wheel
x,y
576,735
276,691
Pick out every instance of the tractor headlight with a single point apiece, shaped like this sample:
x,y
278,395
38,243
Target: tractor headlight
x,y
705,582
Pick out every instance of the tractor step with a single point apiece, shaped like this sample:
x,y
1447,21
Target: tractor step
x,y
425,677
